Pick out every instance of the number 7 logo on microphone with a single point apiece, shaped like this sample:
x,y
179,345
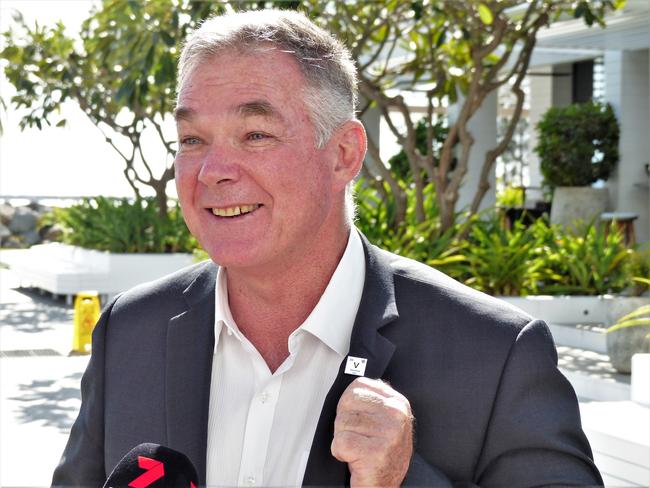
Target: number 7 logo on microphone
x,y
155,471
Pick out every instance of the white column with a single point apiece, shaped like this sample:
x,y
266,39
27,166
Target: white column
x,y
371,121
483,127
627,88
550,86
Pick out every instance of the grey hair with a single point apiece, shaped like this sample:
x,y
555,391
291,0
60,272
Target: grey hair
x,y
330,74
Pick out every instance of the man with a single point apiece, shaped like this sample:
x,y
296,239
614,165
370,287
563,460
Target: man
x,y
264,370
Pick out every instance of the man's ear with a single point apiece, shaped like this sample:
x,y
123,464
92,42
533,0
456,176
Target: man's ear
x,y
349,152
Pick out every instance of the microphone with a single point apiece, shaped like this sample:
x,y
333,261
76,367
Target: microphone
x,y
155,466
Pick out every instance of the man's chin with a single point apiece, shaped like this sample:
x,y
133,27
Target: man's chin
x,y
232,256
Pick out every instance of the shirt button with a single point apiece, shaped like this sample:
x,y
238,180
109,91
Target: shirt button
x,y
264,397
250,480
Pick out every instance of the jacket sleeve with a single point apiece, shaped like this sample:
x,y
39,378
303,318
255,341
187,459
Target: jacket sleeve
x,y
534,437
82,462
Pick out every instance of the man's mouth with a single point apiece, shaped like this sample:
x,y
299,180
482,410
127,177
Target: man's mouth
x,y
235,211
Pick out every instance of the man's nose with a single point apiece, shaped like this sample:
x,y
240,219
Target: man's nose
x,y
219,166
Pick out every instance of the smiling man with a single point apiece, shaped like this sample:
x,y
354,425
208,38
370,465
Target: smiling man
x,y
301,354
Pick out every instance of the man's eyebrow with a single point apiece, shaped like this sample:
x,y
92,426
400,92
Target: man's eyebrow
x,y
247,109
257,108
184,113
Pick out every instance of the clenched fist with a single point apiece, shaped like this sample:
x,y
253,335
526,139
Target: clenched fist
x,y
373,433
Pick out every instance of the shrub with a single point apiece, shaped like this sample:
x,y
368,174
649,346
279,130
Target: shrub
x,y
639,269
502,261
124,226
587,262
510,196
578,144
423,241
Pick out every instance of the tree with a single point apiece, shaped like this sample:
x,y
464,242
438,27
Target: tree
x,y
451,51
121,73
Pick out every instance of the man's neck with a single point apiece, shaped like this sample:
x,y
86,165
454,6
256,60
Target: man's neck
x,y
268,307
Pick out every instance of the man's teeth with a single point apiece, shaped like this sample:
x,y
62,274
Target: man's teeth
x,y
234,211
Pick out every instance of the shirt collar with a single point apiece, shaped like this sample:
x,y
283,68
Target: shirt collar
x,y
332,318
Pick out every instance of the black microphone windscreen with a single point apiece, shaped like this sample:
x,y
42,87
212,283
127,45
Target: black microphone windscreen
x,y
154,466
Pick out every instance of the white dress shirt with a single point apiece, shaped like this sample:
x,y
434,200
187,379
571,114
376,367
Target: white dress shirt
x,y
261,424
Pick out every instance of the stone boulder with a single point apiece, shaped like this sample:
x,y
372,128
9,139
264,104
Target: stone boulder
x,y
51,233
31,237
4,232
6,213
24,220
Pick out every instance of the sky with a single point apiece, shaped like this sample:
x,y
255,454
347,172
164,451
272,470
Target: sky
x,y
70,161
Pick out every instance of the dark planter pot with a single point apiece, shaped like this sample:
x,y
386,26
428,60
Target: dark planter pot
x,y
571,203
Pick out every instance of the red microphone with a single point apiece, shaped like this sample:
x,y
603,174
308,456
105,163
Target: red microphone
x,y
154,466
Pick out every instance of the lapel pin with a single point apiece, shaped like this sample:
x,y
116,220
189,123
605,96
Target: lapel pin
x,y
355,366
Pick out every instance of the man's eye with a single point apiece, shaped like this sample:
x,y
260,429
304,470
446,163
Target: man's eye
x,y
190,141
256,136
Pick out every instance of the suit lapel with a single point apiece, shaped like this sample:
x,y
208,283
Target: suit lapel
x,y
377,308
190,345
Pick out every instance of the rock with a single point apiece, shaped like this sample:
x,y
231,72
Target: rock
x,y
13,242
4,232
24,220
30,238
51,233
6,213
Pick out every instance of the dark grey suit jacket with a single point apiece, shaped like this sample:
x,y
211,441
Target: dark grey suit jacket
x,y
490,405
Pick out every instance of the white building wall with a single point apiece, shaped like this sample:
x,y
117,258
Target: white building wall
x,y
627,88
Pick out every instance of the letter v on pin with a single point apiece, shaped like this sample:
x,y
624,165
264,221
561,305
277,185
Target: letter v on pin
x,y
355,366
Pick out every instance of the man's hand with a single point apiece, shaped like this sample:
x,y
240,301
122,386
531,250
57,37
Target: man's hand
x,y
373,433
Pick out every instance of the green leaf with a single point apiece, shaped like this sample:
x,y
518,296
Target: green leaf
x,y
168,39
485,14
580,10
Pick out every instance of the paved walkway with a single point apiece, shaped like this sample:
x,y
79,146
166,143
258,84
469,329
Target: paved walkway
x,y
39,395
39,383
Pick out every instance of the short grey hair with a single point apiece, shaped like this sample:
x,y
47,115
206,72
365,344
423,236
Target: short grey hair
x,y
330,74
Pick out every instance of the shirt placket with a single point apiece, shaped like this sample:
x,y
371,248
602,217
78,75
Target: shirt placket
x,y
258,429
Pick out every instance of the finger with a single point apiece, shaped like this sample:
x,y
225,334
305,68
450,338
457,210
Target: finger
x,y
379,386
369,463
352,447
360,422
360,397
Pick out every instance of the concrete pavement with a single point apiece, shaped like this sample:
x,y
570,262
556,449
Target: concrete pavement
x,y
39,383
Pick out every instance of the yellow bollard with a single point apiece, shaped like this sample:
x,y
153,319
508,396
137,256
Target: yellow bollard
x,y
86,314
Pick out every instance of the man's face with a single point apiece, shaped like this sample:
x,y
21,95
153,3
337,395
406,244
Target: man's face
x,y
253,187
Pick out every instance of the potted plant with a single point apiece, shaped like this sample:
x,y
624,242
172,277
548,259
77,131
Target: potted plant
x,y
630,333
578,145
